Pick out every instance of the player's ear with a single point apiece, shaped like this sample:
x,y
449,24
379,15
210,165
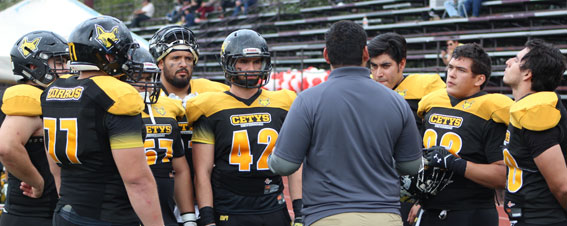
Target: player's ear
x,y
479,80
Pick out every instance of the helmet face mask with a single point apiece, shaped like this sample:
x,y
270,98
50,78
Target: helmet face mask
x,y
428,182
40,57
245,44
143,74
173,38
100,43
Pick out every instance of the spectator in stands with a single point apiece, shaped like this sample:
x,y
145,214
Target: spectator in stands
x,y
206,7
446,54
474,6
224,4
188,18
351,160
239,4
145,13
176,12
454,8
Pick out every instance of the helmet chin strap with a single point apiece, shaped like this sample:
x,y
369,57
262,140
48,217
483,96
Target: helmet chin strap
x,y
150,111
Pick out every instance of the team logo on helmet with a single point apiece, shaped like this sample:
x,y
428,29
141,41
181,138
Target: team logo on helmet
x,y
105,37
224,44
27,47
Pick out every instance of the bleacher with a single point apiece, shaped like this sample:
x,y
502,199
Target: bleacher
x,y
295,31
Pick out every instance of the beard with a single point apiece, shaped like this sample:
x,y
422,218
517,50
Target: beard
x,y
175,81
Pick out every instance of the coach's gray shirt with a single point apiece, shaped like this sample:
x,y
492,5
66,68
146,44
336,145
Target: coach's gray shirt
x,y
349,132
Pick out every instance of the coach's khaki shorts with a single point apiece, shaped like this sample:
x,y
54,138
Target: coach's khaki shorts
x,y
360,219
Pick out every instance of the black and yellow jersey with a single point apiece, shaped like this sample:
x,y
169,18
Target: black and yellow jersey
x,y
84,120
24,100
243,133
472,129
414,87
537,122
197,86
162,138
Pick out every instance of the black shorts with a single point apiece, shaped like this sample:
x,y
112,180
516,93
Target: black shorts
x,y
166,201
278,218
13,220
472,217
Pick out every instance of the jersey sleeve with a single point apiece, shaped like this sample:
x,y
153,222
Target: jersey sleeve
x,y
22,100
203,131
494,134
540,141
126,99
124,131
178,150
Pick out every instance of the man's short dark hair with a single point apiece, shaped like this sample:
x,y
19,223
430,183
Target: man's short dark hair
x,y
392,44
546,63
345,42
481,64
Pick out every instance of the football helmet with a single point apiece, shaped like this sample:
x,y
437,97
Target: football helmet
x,y
142,71
97,37
243,44
36,48
173,38
428,182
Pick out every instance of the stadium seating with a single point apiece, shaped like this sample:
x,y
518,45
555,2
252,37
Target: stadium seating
x,y
295,31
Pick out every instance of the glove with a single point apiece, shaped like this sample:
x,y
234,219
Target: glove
x,y
206,216
189,219
297,206
438,156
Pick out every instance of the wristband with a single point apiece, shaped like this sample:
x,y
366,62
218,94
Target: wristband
x,y
206,216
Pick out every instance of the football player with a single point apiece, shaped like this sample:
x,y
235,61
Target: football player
x,y
39,58
176,52
162,140
387,62
535,145
93,129
464,127
234,133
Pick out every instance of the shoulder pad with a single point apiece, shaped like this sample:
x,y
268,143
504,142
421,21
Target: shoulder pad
x,y
203,105
416,86
127,100
490,106
66,76
173,105
22,100
202,85
276,99
438,97
536,112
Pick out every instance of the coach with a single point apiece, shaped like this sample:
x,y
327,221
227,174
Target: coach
x,y
354,136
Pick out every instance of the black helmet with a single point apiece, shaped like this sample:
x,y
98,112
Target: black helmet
x,y
36,48
242,44
142,63
173,37
93,39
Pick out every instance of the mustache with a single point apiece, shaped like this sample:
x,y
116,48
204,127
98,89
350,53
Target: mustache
x,y
182,69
